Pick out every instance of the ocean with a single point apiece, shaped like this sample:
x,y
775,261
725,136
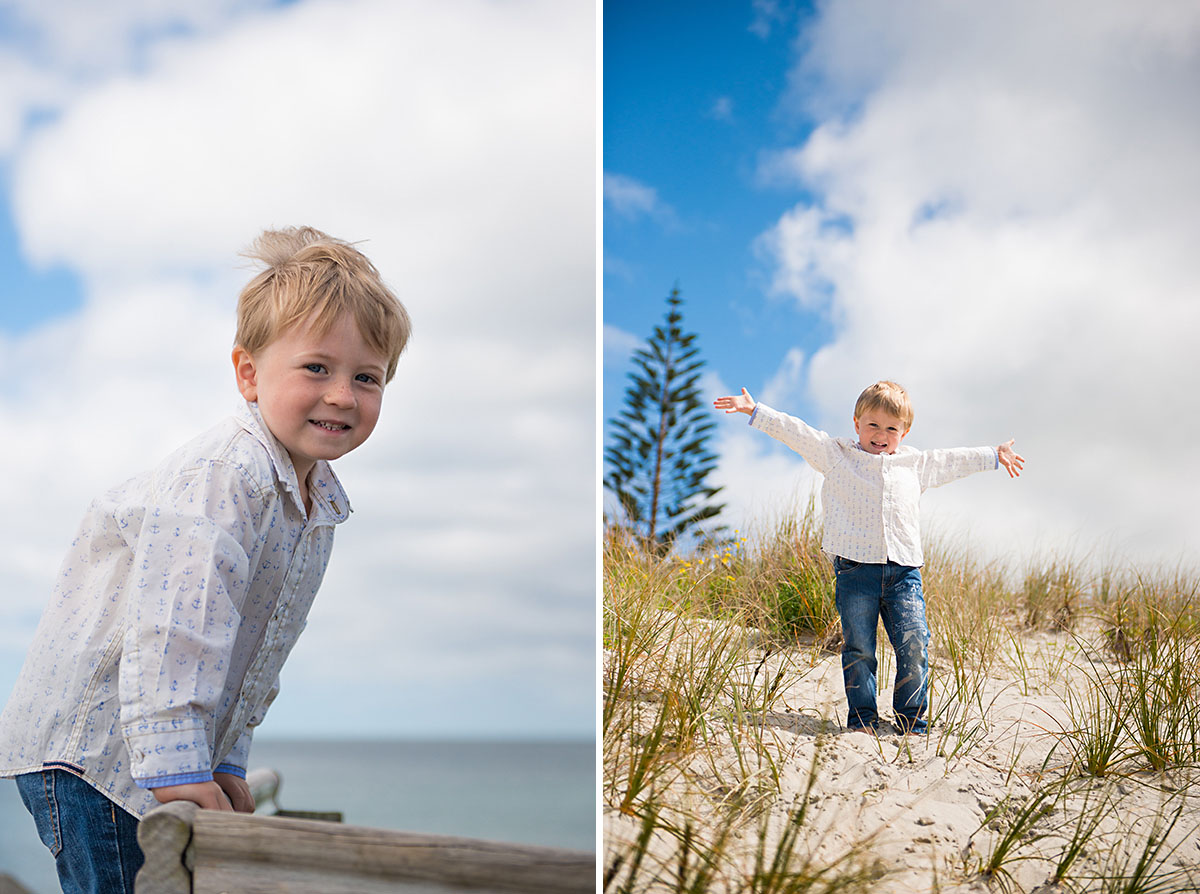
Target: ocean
x,y
530,793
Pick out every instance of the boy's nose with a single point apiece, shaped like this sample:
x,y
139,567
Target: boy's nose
x,y
340,394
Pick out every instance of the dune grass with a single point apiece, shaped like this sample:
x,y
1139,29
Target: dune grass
x,y
701,650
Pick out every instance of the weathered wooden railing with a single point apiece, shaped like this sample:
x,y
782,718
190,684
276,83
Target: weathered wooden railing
x,y
9,885
194,851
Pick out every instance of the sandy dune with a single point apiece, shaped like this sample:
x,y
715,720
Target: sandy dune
x,y
926,812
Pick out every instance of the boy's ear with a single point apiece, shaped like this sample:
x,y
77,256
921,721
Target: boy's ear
x,y
244,371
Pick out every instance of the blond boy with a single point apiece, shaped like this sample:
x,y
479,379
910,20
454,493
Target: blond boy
x,y
186,587
871,519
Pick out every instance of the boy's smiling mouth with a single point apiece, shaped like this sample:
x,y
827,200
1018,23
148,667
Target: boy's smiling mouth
x,y
329,426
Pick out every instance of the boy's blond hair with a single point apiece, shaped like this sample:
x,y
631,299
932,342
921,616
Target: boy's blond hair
x,y
889,397
313,275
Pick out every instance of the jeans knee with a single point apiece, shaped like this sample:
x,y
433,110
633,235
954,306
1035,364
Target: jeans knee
x,y
911,649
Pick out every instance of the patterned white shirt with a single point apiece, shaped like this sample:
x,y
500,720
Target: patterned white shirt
x,y
870,504
183,592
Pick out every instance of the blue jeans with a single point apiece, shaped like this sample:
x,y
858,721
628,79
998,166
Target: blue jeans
x,y
865,593
94,842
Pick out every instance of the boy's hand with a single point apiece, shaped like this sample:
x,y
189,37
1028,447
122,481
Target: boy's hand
x,y
207,794
1010,459
236,789
737,403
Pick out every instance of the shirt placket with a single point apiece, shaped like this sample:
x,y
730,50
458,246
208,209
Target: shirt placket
x,y
889,518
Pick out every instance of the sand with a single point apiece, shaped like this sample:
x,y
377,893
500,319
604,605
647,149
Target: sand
x,y
927,811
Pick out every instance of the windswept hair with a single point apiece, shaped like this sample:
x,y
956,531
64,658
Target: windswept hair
x,y
313,278
889,397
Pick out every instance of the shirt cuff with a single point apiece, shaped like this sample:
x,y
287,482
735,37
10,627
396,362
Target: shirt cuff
x,y
177,779
753,413
239,772
168,753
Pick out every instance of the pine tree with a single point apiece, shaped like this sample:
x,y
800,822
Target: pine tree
x,y
657,458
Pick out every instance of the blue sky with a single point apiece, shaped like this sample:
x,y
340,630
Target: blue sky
x,y
142,146
48,292
990,204
693,100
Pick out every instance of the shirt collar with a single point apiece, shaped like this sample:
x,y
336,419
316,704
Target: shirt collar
x,y
329,497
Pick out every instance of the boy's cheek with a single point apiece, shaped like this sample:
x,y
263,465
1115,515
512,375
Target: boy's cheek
x,y
368,425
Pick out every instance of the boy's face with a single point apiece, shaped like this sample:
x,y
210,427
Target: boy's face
x,y
319,395
879,432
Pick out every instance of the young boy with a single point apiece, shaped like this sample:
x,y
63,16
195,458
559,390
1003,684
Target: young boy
x,y
186,587
870,513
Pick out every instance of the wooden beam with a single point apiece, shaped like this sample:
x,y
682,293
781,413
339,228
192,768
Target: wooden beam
x,y
234,853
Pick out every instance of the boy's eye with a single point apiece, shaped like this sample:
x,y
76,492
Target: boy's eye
x,y
366,377
315,367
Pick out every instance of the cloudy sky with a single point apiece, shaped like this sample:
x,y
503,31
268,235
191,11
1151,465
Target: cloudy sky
x,y
144,143
995,204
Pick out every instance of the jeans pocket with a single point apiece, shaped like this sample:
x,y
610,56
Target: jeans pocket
x,y
37,791
841,565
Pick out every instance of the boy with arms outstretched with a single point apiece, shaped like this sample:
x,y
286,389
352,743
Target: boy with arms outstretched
x,y
186,587
870,514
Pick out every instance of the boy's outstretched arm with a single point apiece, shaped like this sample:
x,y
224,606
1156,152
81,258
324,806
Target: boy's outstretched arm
x,y
1012,461
736,403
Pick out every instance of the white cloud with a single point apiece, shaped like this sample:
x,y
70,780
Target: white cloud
x,y
619,346
632,199
82,38
458,140
23,89
1006,224
722,108
767,14
781,389
373,118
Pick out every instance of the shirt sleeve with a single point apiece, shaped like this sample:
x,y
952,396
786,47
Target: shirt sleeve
x,y
818,448
938,467
191,572
238,759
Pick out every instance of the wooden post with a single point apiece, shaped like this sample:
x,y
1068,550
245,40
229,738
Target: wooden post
x,y
234,853
164,834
